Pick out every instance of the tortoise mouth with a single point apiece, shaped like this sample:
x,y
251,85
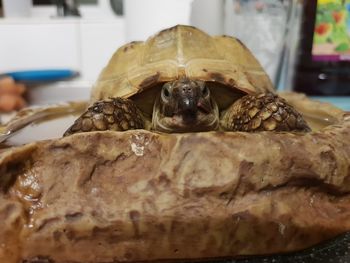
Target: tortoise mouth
x,y
194,113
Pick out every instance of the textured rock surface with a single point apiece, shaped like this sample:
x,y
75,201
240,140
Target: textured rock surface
x,y
134,196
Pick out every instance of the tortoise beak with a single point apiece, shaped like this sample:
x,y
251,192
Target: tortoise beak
x,y
188,105
188,109
188,94
191,105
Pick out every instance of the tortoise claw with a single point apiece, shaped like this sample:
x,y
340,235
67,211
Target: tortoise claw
x,y
263,112
115,114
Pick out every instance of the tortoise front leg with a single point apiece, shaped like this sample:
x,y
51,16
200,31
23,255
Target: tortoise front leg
x,y
115,114
263,112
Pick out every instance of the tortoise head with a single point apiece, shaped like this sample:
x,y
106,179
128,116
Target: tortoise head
x,y
185,106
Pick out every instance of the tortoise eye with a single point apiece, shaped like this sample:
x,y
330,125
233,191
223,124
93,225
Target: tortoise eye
x,y
166,92
205,91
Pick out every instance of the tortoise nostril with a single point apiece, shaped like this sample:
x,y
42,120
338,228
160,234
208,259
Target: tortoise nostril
x,y
187,89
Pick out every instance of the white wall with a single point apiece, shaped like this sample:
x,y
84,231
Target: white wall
x,y
145,18
208,15
83,45
98,41
29,44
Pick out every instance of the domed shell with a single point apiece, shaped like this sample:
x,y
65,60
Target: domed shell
x,y
181,51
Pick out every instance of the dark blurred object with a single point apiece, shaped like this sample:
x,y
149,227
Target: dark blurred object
x,y
319,72
67,8
333,251
11,95
117,7
1,10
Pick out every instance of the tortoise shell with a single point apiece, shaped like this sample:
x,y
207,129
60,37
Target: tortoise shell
x,y
138,69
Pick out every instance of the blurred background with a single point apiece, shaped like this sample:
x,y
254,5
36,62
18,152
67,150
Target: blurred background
x,y
54,50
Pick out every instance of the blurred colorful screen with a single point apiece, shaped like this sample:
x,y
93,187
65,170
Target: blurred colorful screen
x,y
331,41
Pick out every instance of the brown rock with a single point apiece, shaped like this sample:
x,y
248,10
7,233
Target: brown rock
x,y
139,196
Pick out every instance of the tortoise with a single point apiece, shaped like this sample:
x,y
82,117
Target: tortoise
x,y
184,80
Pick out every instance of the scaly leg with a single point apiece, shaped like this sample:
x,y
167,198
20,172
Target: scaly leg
x,y
115,114
263,112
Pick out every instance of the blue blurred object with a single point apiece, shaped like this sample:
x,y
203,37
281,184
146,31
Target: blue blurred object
x,y
341,102
41,75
